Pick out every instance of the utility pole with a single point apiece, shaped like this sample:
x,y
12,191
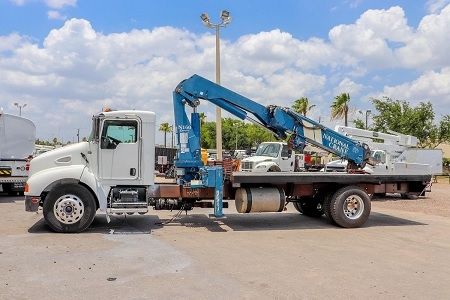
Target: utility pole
x,y
225,20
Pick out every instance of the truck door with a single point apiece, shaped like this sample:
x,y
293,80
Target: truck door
x,y
381,158
120,150
287,159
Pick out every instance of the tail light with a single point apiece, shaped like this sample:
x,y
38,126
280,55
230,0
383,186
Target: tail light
x,y
27,165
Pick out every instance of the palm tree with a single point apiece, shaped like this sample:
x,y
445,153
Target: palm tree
x,y
202,117
166,128
302,106
339,108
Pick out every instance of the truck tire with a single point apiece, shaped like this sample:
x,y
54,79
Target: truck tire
x,y
274,168
327,208
69,208
350,207
309,206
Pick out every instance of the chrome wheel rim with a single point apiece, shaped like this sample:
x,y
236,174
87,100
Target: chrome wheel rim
x,y
68,209
353,207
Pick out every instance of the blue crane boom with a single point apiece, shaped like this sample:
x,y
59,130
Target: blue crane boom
x,y
281,121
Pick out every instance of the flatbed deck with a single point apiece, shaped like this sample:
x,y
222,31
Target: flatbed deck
x,y
243,178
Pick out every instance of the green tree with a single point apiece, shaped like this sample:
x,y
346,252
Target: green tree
x,y
417,121
248,135
208,135
339,108
358,123
257,135
165,127
302,106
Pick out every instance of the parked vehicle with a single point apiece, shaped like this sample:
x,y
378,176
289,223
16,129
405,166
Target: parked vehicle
x,y
270,157
116,175
17,137
396,154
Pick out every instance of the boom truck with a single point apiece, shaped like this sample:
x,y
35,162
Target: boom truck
x,y
114,170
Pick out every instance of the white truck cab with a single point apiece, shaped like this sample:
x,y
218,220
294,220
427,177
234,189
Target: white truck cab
x,y
72,182
270,157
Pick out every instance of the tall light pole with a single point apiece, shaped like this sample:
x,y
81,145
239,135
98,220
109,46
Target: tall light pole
x,y
368,112
171,130
226,19
20,107
237,126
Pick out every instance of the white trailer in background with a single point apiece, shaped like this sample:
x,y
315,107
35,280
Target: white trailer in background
x,y
17,138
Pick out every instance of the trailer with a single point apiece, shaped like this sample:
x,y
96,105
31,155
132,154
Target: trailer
x,y
115,174
17,138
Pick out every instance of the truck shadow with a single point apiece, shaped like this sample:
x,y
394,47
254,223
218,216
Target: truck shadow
x,y
123,224
6,198
147,224
285,221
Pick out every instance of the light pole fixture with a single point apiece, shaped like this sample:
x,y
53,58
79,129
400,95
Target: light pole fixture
x,y
367,112
225,20
20,107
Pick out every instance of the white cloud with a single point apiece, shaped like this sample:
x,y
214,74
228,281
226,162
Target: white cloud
x,y
58,4
55,15
19,2
348,86
434,6
430,86
11,42
77,70
429,46
55,4
369,39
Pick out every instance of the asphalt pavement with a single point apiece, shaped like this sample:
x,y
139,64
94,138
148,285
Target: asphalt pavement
x,y
395,255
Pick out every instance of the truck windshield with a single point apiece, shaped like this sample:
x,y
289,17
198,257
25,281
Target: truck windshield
x,y
268,150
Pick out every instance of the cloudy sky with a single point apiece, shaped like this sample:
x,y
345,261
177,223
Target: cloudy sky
x,y
68,59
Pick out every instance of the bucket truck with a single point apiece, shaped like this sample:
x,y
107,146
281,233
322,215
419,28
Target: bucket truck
x,y
394,153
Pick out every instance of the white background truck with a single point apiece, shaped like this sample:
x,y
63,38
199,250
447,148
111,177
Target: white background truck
x,y
17,138
394,153
270,157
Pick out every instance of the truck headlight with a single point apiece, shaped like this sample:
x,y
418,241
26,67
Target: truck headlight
x,y
261,167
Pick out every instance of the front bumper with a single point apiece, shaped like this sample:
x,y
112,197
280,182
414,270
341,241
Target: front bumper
x,y
32,203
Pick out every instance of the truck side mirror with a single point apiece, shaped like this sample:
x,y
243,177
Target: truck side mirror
x,y
289,153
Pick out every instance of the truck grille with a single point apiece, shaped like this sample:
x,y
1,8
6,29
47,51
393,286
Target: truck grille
x,y
336,169
246,166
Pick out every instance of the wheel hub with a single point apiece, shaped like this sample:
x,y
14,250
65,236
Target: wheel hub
x,y
353,207
68,209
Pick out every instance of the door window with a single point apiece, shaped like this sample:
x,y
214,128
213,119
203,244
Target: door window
x,y
116,132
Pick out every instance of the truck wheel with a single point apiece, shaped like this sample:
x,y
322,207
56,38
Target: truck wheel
x,y
274,169
350,207
309,206
69,208
327,208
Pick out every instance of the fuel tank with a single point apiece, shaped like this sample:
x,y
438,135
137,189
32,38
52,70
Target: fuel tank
x,y
264,199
